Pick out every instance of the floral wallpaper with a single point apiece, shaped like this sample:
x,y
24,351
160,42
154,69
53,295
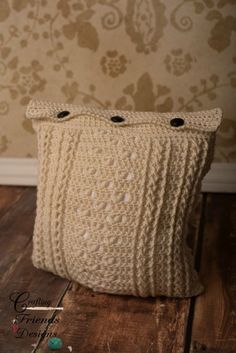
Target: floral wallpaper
x,y
150,55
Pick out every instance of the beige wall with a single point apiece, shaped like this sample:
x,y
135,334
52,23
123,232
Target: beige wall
x,y
135,55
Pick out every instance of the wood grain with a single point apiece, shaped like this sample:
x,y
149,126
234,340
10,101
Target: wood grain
x,y
214,324
16,229
93,322
8,196
18,274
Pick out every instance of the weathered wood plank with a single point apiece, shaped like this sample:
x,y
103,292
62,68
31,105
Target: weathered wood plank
x,y
18,274
107,323
8,196
93,322
16,227
214,324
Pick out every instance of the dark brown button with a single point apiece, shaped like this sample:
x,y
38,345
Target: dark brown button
x,y
63,114
117,119
176,122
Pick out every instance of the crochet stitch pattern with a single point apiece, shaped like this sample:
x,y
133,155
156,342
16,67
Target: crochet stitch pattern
x,y
114,197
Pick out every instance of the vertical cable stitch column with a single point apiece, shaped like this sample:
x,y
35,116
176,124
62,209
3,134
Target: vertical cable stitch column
x,y
40,232
177,218
165,155
70,140
138,244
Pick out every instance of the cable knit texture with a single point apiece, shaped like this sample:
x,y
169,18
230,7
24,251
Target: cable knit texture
x,y
114,198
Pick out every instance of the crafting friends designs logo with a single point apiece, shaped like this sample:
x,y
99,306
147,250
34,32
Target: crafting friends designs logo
x,y
29,315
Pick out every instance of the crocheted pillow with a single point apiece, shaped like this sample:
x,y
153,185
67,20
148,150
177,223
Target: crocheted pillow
x,y
115,192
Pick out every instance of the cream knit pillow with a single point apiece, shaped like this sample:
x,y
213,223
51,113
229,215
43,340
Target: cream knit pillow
x,y
115,192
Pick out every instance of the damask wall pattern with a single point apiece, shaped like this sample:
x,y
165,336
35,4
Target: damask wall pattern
x,y
149,55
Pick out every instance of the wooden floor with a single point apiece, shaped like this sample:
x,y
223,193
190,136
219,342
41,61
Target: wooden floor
x,y
103,323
